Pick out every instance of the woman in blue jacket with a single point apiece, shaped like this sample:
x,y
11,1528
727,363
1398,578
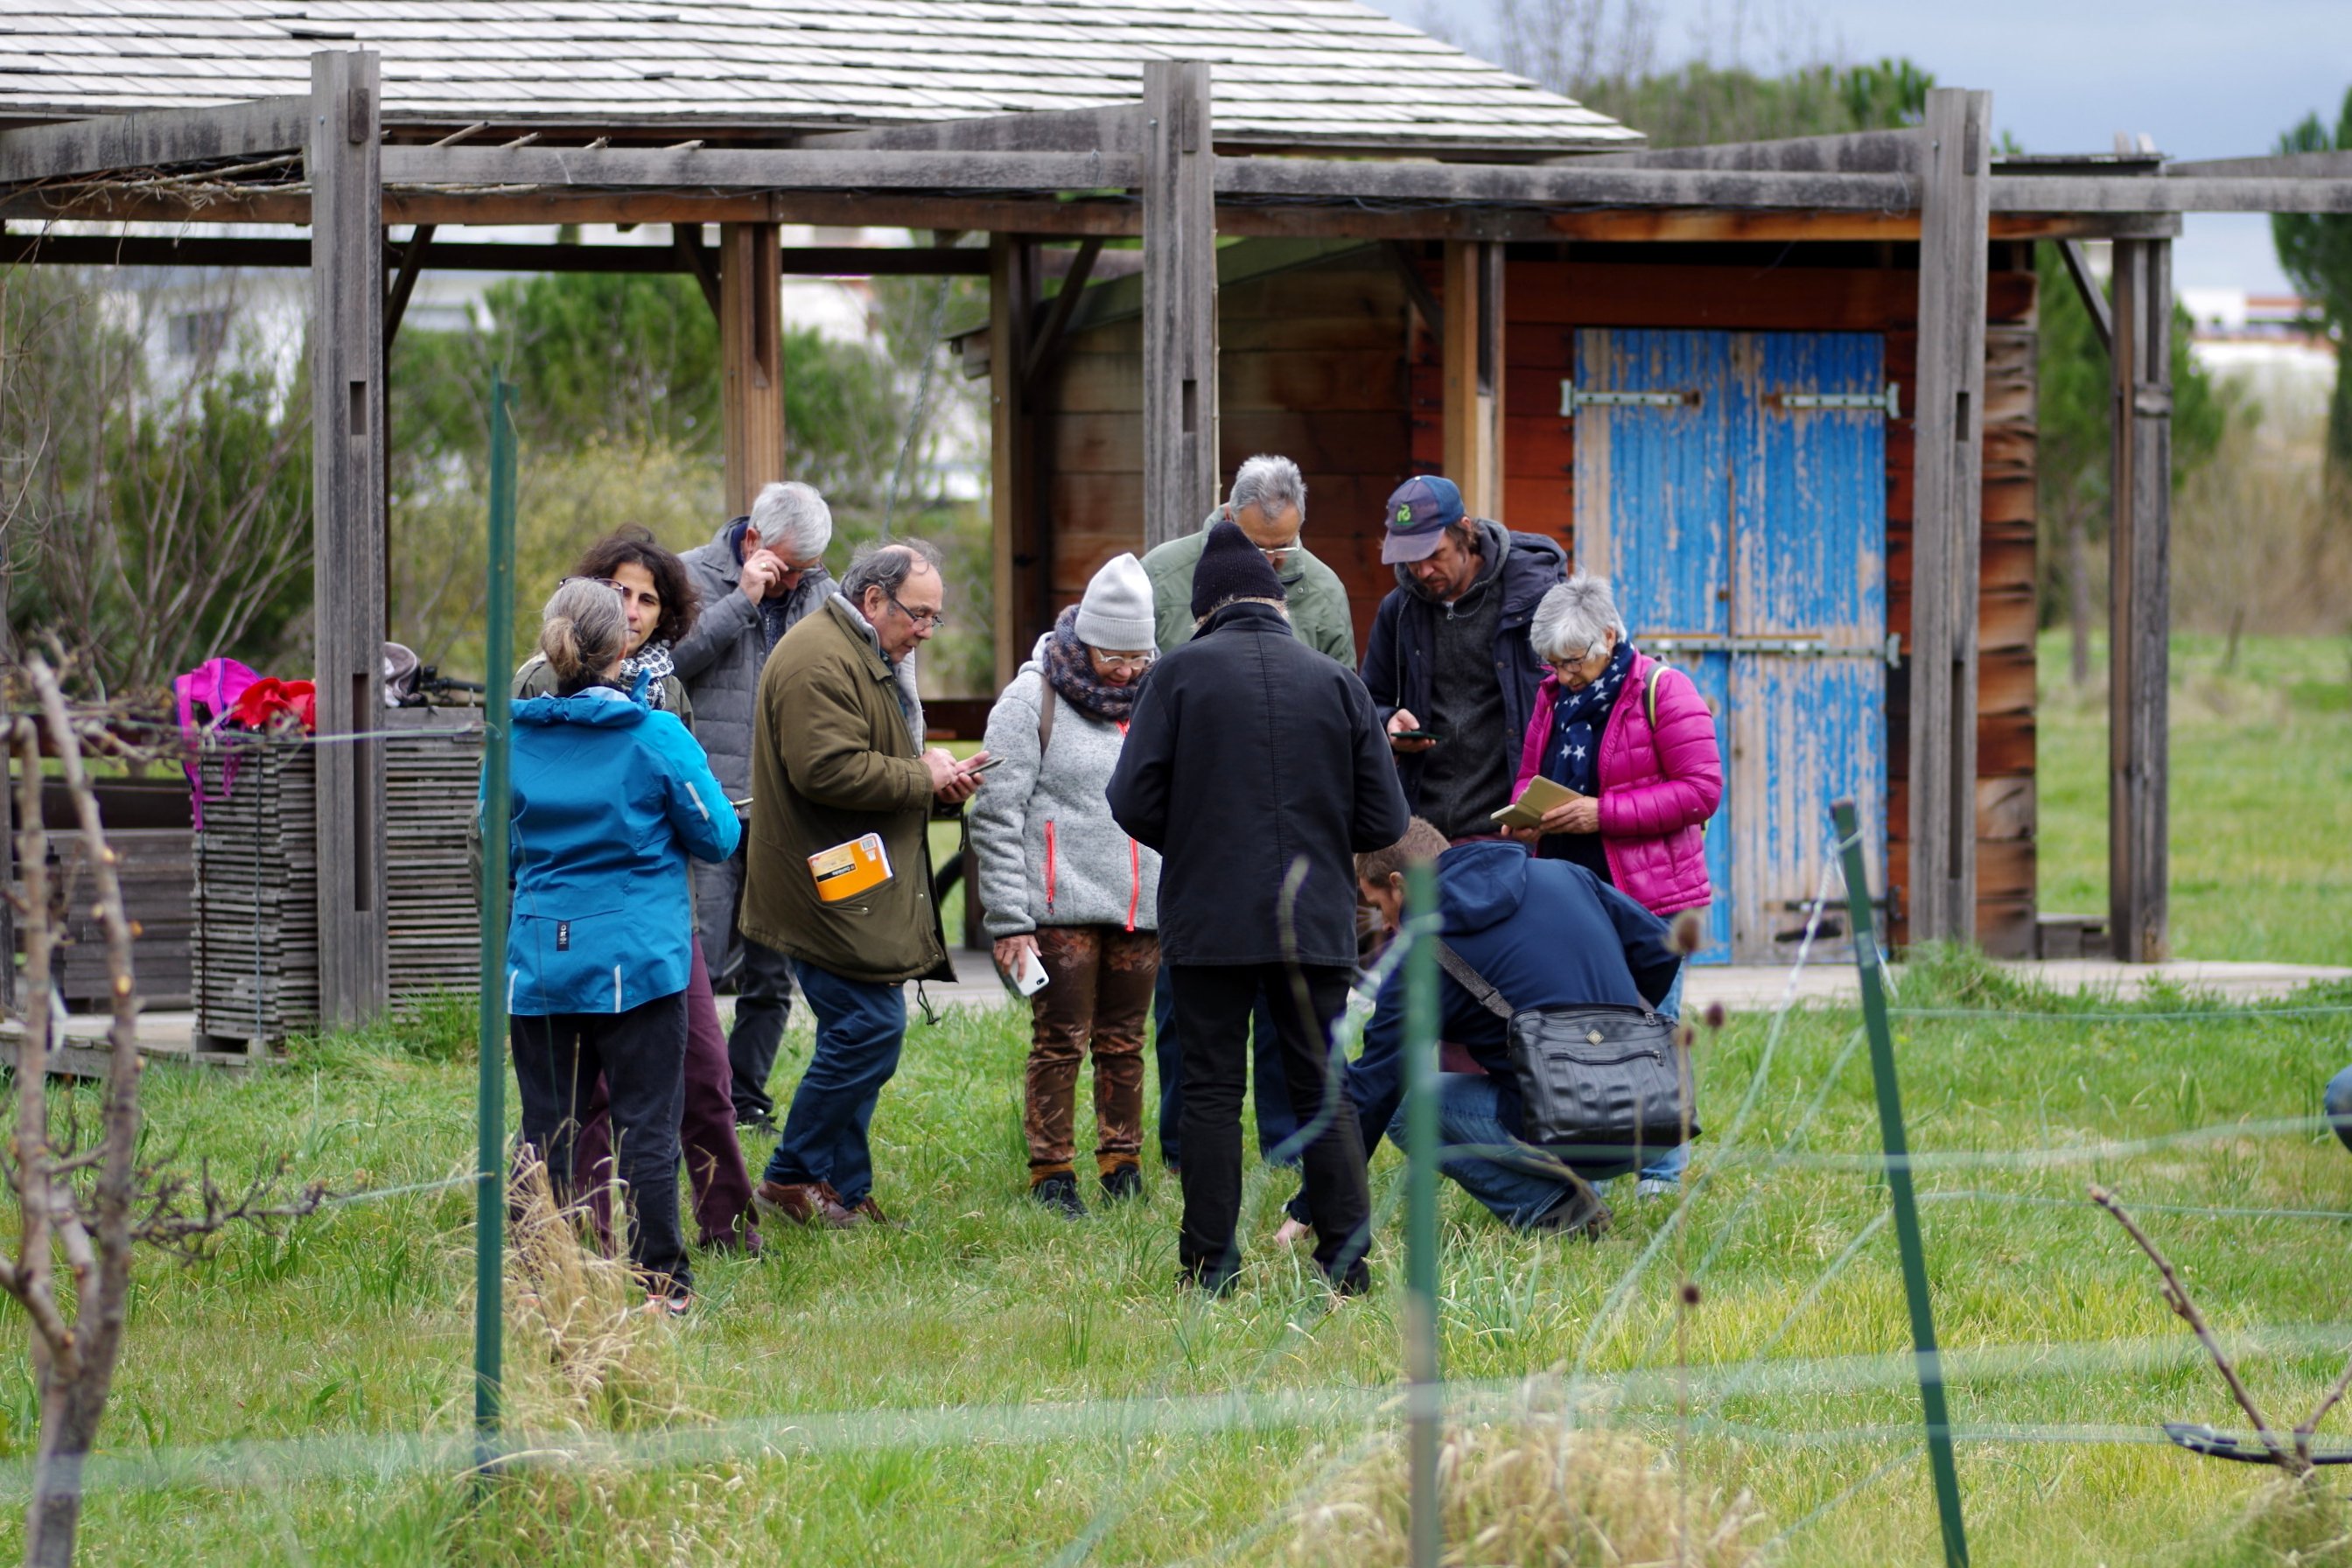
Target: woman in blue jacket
x,y
609,796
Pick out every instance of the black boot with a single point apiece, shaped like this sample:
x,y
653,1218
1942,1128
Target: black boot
x,y
1059,1191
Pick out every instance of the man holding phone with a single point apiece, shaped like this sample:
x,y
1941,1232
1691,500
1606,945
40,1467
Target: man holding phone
x,y
1449,662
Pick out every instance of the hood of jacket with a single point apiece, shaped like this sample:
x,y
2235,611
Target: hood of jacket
x,y
1480,885
600,706
1522,567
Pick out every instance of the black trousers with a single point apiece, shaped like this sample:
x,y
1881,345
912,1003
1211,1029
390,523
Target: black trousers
x,y
1214,1003
642,1056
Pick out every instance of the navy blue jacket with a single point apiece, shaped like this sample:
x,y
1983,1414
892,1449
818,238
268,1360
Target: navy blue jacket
x,y
1402,649
1543,933
1249,754
609,798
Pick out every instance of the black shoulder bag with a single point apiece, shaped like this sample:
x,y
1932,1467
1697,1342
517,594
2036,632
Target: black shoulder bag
x,y
1597,1076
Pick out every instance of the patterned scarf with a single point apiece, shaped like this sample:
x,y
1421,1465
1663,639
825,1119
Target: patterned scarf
x,y
652,662
1573,755
1072,674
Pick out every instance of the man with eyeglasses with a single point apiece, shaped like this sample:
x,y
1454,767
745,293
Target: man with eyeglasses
x,y
757,580
1268,504
838,761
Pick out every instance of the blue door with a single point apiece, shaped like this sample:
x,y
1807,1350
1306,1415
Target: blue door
x,y
1733,485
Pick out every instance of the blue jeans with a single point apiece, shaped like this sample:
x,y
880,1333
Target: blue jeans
x,y
1518,1188
1275,1121
860,1024
1669,1166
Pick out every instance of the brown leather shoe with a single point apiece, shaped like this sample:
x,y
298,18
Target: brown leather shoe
x,y
803,1203
865,1211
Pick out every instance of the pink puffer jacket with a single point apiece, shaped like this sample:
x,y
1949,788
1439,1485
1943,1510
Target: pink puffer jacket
x,y
1656,791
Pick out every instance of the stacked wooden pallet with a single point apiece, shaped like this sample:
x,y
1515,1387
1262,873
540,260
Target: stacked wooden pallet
x,y
157,871
256,941
432,770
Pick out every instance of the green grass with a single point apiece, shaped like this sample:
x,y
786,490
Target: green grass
x,y
356,1326
2260,802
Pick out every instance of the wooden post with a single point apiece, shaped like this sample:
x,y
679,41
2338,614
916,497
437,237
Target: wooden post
x,y
1013,468
1180,300
2139,601
342,160
1472,348
1947,472
751,355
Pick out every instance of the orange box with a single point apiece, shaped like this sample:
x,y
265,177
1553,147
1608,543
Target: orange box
x,y
845,870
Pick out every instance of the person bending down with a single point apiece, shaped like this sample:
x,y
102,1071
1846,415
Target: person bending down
x,y
1544,933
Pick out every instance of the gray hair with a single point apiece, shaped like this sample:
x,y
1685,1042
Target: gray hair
x,y
1575,618
583,629
1273,485
790,517
887,565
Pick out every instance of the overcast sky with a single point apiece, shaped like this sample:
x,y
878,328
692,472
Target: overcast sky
x,y
2205,79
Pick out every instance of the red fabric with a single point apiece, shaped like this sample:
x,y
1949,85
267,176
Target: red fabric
x,y
267,698
1656,794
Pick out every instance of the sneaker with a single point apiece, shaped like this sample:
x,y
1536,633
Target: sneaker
x,y
802,1203
865,1211
1657,1187
1578,1212
1122,1182
1059,1191
672,1303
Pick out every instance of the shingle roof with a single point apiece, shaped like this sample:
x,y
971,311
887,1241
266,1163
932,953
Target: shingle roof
x,y
1286,72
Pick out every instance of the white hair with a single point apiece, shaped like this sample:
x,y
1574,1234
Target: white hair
x,y
1574,619
790,517
1273,485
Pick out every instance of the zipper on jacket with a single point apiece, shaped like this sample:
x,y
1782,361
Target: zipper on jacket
x,y
1049,865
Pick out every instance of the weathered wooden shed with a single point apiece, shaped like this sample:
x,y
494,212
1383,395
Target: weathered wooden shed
x,y
1702,302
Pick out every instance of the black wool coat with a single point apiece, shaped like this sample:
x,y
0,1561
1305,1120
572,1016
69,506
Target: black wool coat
x,y
1249,755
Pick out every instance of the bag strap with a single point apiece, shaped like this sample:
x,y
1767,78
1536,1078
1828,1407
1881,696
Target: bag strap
x,y
1473,982
1046,715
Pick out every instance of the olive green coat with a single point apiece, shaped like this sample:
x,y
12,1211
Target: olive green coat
x,y
833,758
1316,598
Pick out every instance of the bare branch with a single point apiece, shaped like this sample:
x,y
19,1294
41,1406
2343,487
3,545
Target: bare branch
x,y
2319,1413
2175,1296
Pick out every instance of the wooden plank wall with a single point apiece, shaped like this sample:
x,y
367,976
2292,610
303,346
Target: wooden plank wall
x,y
1330,365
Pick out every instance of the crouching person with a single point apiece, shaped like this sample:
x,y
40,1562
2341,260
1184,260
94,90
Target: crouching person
x,y
1062,884
1543,935
607,800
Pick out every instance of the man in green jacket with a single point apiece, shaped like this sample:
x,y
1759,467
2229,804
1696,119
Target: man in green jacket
x,y
1268,504
837,758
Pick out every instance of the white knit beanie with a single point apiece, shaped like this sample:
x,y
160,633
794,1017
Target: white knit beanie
x,y
1117,611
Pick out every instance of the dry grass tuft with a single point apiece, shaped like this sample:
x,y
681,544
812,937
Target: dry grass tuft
x,y
605,1364
2303,1523
1535,1492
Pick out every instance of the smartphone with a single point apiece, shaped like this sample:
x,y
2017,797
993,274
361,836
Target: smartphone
x,y
1032,978
1414,735
983,767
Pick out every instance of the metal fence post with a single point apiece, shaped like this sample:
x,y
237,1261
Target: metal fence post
x,y
490,1156
1898,1189
1424,1398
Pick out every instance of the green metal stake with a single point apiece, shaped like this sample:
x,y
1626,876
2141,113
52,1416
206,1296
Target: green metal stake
x,y
1898,1190
1424,1398
491,1155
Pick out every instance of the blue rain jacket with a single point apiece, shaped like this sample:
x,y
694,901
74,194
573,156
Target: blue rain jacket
x,y
608,798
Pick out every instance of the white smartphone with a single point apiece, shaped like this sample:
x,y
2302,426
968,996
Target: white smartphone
x,y
1032,978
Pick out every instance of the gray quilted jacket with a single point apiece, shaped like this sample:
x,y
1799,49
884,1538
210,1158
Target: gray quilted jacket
x,y
721,658
1049,853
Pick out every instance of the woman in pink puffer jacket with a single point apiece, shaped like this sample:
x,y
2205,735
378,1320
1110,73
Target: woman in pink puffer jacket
x,y
1646,790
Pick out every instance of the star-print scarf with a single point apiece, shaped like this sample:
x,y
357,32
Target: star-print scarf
x,y
1578,718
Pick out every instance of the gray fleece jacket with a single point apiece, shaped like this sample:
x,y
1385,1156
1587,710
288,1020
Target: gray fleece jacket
x,y
1049,853
722,658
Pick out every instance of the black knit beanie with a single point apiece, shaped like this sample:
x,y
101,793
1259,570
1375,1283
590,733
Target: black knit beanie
x,y
1231,567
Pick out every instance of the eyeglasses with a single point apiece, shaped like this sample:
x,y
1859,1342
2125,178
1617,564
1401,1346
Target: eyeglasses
x,y
933,619
1277,554
599,582
1125,664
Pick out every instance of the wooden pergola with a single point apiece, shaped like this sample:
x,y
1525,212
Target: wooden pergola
x,y
1073,179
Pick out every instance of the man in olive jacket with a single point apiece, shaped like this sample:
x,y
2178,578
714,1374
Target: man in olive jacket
x,y
837,754
1258,769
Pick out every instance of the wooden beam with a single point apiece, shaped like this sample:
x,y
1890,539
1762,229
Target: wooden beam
x,y
347,465
1417,290
2095,301
1012,444
686,245
446,256
1473,352
751,357
1575,186
1857,153
724,168
412,260
2139,602
1179,301
1117,128
2335,165
1057,317
157,138
1947,515
2168,194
